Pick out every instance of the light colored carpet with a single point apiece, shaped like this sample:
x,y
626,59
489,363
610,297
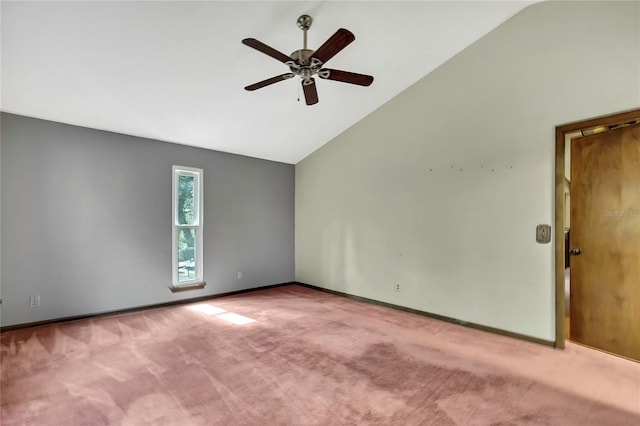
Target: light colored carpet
x,y
296,356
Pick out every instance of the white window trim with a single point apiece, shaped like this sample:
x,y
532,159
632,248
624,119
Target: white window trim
x,y
199,268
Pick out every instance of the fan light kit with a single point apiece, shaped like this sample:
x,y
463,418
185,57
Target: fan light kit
x,y
306,63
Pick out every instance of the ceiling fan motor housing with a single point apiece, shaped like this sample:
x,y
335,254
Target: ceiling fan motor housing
x,y
302,56
305,66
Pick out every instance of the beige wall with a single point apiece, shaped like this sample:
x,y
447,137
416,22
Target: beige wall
x,y
441,189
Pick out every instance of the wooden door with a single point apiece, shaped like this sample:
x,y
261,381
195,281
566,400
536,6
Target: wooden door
x,y
605,226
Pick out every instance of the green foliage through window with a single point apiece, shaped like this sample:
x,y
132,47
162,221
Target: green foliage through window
x,y
186,213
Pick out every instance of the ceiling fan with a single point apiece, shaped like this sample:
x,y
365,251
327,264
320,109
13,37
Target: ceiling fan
x,y
306,63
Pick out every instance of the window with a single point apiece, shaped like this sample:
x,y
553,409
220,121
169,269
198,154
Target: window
x,y
187,226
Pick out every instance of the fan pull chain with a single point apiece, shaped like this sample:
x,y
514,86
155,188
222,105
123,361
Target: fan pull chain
x,y
298,93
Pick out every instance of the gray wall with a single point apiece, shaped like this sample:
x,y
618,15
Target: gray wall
x,y
440,190
86,220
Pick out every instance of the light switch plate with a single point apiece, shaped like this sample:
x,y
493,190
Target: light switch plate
x,y
543,234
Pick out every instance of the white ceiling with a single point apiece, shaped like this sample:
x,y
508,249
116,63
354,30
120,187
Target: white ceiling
x,y
175,71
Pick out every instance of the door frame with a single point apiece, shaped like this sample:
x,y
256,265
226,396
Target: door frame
x,y
561,132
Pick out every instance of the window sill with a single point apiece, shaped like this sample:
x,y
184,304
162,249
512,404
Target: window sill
x,y
196,286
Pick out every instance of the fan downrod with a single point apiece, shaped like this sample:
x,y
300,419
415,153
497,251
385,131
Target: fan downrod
x,y
301,65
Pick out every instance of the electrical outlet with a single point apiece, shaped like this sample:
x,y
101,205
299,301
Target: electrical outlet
x,y
397,287
34,301
239,275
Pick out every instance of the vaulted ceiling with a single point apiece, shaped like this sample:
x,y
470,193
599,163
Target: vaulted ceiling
x,y
175,71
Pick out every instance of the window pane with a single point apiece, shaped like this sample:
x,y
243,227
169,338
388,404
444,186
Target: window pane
x,y
186,200
186,254
187,226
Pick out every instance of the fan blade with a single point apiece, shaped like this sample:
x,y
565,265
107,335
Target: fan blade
x,y
346,77
269,81
341,39
310,91
267,50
